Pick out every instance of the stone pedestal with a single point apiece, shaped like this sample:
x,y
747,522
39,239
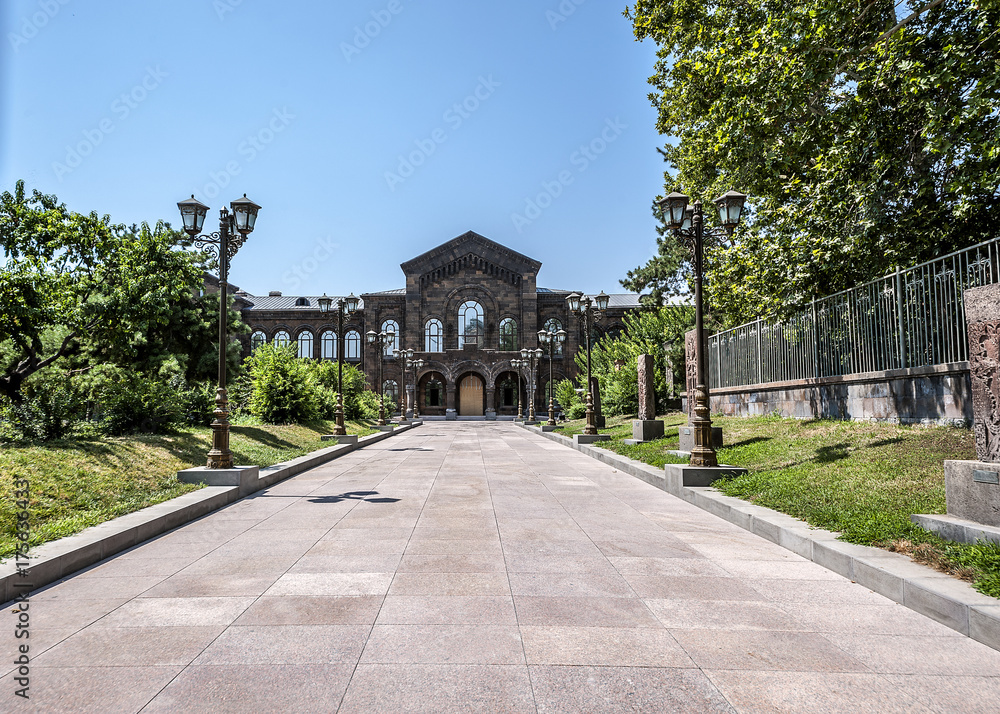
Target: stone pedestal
x,y
972,490
680,475
686,434
387,427
590,438
546,427
644,430
246,477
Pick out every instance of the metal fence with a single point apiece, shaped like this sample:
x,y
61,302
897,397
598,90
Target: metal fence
x,y
909,318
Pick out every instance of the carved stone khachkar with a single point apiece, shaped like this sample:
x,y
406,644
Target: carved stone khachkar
x,y
982,314
647,391
972,488
647,427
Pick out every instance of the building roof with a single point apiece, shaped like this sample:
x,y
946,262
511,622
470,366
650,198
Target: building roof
x,y
289,302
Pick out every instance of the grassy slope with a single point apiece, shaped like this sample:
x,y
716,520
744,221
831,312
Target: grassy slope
x,y
861,479
78,483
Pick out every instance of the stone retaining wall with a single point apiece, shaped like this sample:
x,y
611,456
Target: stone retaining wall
x,y
939,394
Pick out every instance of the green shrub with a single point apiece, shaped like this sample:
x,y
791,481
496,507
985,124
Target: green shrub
x,y
50,409
566,394
577,411
133,403
197,401
285,389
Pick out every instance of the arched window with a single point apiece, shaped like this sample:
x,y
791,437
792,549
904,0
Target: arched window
x,y
257,339
553,325
434,393
391,345
508,393
328,344
391,390
433,336
471,325
352,345
282,338
508,334
305,344
302,302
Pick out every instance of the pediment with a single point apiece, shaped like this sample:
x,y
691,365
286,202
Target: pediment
x,y
471,250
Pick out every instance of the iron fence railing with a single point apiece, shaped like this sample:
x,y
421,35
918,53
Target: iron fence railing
x,y
909,318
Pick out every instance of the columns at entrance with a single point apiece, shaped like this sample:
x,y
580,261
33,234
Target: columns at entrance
x,y
491,400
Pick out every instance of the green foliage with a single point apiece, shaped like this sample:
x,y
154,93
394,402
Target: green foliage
x,y
285,389
576,411
566,394
659,333
866,140
133,403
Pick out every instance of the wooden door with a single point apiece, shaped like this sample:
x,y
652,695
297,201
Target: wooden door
x,y
470,396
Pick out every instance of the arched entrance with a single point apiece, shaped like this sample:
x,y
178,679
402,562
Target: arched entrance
x,y
471,396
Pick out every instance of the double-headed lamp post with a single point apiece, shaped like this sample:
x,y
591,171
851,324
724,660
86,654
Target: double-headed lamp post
x,y
518,365
589,309
551,339
688,222
233,231
345,306
416,365
380,339
529,360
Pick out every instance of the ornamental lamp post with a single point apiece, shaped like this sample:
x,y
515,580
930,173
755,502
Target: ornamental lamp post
x,y
589,309
518,365
688,223
380,339
234,227
547,337
345,306
417,365
403,356
529,359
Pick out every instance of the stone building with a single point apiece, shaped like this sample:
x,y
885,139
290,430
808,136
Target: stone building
x,y
468,308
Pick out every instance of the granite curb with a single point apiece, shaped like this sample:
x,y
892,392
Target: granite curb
x,y
58,559
936,595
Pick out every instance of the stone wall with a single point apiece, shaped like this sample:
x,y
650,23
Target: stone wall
x,y
940,394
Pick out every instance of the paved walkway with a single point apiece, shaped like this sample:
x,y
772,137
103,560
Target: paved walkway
x,y
477,567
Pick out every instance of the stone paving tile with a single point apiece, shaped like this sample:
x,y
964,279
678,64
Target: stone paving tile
x,y
613,690
841,592
84,588
211,585
584,612
447,610
131,647
530,563
330,584
450,584
571,584
906,654
218,565
773,650
356,547
254,688
826,692
297,610
88,689
137,567
379,563
439,689
287,644
55,615
777,570
696,566
463,563
41,640
887,619
669,587
604,646
724,615
969,695
354,532
444,644
177,612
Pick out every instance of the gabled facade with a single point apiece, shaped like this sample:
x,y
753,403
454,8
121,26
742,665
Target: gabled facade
x,y
469,306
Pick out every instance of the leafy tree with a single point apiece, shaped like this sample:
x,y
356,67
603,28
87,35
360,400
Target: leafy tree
x,y
659,333
77,289
284,388
866,140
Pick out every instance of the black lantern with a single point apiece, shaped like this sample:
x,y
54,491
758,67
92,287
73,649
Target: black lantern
x,y
730,209
673,207
193,214
245,214
324,303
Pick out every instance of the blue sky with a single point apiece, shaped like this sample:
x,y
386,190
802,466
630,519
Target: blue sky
x,y
369,131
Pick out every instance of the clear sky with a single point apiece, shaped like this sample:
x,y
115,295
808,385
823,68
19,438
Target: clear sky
x,y
369,131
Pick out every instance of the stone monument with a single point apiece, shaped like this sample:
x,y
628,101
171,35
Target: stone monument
x,y
972,488
647,427
686,433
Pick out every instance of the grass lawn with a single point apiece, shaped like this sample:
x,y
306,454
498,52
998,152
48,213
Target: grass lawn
x,y
861,479
77,483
